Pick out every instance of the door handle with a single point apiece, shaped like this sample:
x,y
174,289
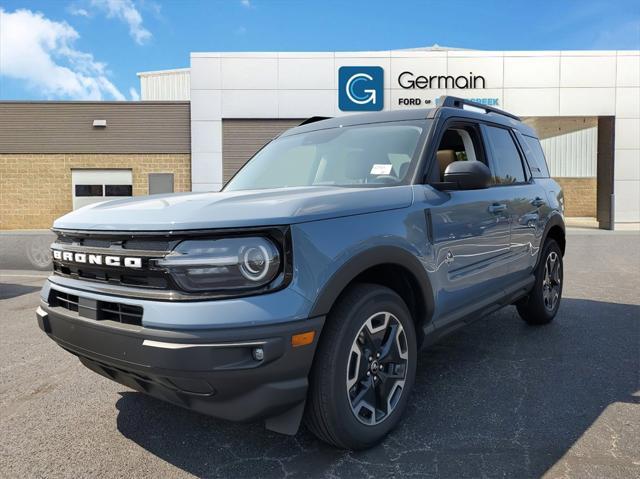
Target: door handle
x,y
538,202
497,208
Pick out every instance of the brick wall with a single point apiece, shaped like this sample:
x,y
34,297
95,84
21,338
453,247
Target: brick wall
x,y
36,189
580,196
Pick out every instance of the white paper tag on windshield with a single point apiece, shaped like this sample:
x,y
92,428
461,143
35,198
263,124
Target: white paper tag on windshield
x,y
380,169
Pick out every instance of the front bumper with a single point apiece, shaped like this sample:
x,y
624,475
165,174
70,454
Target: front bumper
x,y
210,371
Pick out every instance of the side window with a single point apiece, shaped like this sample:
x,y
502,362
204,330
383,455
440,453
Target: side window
x,y
505,158
459,143
535,157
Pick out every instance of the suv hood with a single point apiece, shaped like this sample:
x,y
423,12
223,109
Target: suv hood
x,y
234,209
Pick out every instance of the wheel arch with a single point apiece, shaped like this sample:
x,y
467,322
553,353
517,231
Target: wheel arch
x,y
556,230
389,266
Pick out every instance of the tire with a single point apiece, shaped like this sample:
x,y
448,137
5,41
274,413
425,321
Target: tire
x,y
368,319
542,304
38,252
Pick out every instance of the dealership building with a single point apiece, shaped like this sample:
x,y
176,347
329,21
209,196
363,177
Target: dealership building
x,y
196,126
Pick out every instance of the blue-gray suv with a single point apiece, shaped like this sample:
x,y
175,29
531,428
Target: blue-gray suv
x,y
305,289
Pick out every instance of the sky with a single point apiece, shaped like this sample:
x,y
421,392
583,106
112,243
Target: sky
x,y
92,49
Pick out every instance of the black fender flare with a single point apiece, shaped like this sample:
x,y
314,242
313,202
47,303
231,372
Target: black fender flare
x,y
555,219
376,256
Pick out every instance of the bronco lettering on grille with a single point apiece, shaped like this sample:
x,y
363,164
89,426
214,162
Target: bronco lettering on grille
x,y
99,259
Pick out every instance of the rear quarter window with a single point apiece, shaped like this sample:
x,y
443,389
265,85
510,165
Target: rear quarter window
x,y
535,156
506,162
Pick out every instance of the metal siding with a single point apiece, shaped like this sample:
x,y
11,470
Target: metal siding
x,y
165,86
241,139
572,154
67,127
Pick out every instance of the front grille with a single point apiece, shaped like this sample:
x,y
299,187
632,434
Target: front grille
x,y
125,264
123,313
64,300
142,279
145,248
98,310
160,244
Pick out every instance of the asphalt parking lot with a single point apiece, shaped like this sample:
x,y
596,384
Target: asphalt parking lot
x,y
499,399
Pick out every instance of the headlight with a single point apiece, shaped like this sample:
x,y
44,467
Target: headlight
x,y
223,264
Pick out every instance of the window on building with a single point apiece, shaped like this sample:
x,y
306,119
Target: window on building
x,y
88,190
506,164
117,190
160,183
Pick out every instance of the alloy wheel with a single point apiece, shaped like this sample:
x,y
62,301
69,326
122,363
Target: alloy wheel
x,y
377,368
552,281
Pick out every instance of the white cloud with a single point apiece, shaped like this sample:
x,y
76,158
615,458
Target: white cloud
x,y
246,3
127,12
41,52
133,93
78,12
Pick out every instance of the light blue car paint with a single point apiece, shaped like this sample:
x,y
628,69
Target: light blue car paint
x,y
190,211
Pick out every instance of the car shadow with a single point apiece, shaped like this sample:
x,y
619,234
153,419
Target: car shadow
x,y
10,290
499,398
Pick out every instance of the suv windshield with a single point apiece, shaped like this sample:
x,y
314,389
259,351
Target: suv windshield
x,y
380,154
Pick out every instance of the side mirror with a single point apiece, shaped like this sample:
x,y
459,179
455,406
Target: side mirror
x,y
467,175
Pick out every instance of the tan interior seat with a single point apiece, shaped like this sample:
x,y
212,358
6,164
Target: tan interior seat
x,y
445,158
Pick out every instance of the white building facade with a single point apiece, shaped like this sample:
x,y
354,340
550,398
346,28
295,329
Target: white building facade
x,y
570,97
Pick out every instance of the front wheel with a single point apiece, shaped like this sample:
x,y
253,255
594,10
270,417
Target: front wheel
x,y
364,368
542,304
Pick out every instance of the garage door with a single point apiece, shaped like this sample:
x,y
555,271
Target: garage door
x,y
241,139
94,185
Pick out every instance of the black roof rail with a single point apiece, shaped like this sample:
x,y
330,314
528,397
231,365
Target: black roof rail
x,y
455,102
313,119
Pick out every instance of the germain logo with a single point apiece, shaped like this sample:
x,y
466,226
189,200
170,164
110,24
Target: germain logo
x,y
408,80
360,88
97,259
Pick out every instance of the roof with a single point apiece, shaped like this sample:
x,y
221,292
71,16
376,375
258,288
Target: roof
x,y
433,48
450,107
164,72
361,119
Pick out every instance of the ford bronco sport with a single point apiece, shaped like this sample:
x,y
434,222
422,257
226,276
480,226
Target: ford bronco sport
x,y
307,286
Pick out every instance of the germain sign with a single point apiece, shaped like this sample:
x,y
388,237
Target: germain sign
x,y
361,88
408,80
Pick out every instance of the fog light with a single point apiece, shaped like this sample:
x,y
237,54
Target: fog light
x,y
258,354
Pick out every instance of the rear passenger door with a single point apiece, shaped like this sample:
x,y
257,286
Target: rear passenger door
x,y
524,198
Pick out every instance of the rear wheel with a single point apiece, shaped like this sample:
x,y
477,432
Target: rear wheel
x,y
364,368
542,304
